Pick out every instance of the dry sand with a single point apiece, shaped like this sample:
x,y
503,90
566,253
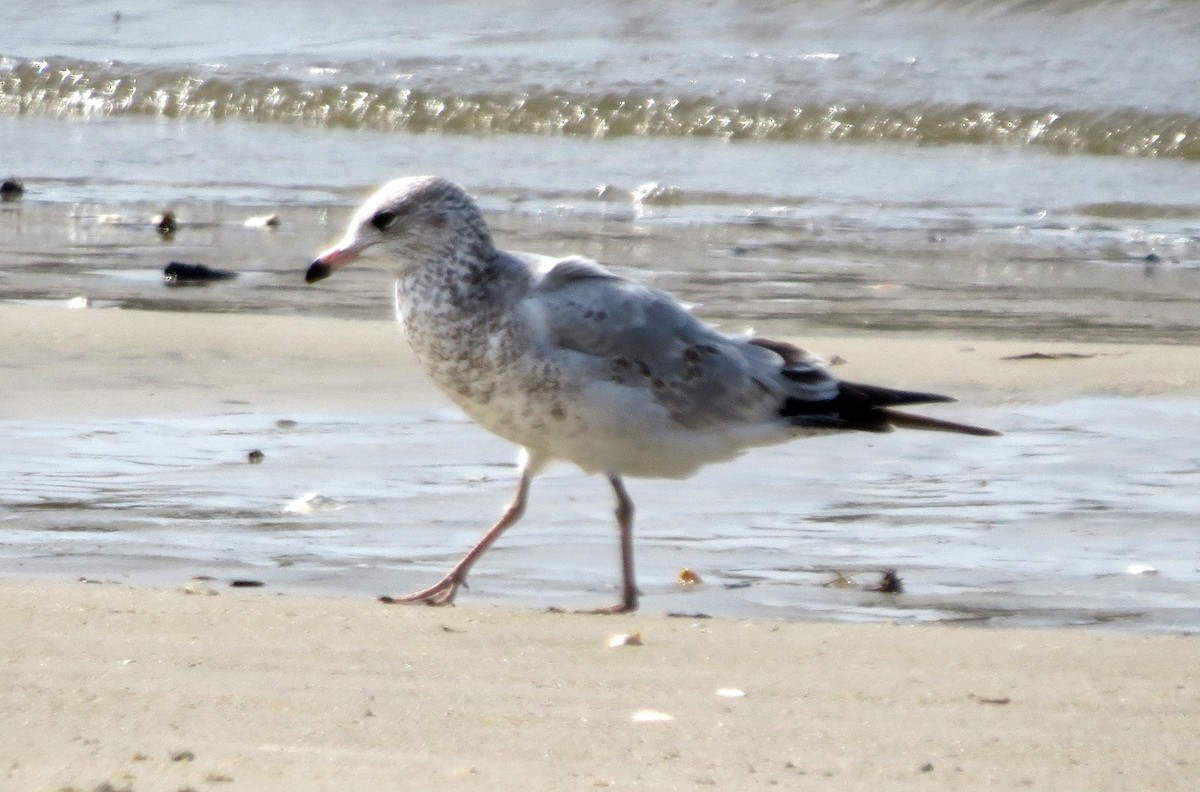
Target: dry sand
x,y
160,690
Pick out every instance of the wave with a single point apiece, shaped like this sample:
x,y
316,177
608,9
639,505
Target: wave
x,y
1174,10
87,89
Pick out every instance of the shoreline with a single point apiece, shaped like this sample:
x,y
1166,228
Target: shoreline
x,y
155,688
126,457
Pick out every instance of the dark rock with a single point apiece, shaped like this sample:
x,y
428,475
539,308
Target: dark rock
x,y
179,274
889,583
11,190
166,223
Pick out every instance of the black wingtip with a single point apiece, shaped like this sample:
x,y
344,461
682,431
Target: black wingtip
x,y
879,396
318,270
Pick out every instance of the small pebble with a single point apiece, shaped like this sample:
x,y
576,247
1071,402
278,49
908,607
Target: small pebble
x,y
310,502
166,223
255,457
625,639
262,221
107,787
11,190
889,583
998,700
651,716
199,587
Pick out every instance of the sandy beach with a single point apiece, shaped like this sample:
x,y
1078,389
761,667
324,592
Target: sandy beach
x,y
158,689
145,688
112,362
986,200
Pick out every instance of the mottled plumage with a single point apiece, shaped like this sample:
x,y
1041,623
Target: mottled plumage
x,y
575,363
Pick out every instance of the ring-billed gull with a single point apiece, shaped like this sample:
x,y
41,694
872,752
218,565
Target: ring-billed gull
x,y
574,363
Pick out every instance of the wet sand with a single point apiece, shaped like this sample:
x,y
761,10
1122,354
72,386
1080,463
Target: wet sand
x,y
117,363
147,688
158,689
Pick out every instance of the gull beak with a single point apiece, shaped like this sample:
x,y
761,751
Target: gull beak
x,y
330,262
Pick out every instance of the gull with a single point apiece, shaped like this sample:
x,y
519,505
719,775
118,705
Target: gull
x,y
572,362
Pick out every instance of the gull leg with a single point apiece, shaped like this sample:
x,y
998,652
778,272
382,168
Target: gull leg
x,y
443,592
624,513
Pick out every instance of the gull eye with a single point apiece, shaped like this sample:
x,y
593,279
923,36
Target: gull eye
x,y
383,220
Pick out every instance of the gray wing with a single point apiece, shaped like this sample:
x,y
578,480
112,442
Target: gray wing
x,y
643,338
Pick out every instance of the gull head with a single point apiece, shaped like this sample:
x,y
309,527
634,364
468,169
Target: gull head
x,y
409,223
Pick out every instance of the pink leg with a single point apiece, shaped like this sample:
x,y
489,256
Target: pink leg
x,y
629,590
443,592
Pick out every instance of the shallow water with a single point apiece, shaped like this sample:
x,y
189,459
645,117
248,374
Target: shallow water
x,y
1049,74
778,274
1059,522
1000,168
976,169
